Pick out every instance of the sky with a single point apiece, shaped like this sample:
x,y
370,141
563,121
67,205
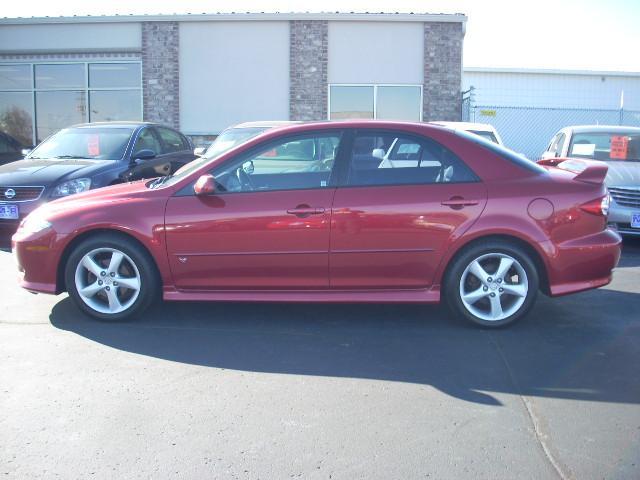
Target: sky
x,y
548,34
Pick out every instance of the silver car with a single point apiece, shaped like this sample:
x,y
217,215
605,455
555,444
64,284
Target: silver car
x,y
619,148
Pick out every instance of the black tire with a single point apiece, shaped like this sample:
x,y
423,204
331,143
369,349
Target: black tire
x,y
148,276
462,260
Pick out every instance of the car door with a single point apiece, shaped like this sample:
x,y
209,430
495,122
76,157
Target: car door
x,y
267,225
153,165
175,148
393,218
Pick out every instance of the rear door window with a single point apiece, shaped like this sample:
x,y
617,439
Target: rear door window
x,y
397,159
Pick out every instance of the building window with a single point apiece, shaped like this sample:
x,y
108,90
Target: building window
x,y
38,99
383,102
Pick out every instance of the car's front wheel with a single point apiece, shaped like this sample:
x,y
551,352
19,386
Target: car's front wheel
x,y
492,284
111,277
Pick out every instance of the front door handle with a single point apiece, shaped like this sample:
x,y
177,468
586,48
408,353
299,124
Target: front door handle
x,y
305,211
458,203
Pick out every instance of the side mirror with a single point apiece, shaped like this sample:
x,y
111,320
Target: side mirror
x,y
199,151
26,151
144,154
205,185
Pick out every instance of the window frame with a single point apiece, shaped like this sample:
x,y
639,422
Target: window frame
x,y
347,150
86,88
375,95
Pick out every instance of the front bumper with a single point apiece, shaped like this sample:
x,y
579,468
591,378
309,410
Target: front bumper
x,y
584,263
620,219
37,257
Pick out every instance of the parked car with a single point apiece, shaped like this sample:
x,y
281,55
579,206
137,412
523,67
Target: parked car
x,y
10,148
309,223
237,134
619,148
486,131
86,157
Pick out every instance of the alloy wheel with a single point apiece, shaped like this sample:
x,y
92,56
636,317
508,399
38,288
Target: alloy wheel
x,y
493,287
107,280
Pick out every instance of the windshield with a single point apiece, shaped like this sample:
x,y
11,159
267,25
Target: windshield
x,y
606,146
486,135
92,143
230,138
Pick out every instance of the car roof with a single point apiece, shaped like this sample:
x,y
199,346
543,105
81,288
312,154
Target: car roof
x,y
483,127
123,124
266,124
603,128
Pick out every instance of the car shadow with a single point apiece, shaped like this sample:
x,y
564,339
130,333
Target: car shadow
x,y
576,347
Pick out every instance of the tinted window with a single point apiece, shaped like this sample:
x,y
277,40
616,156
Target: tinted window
x,y
172,141
294,163
398,103
5,147
114,75
15,77
351,102
16,115
59,109
147,140
396,159
60,76
606,146
115,105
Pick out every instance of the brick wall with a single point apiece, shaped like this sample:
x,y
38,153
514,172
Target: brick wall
x,y
442,71
308,58
160,72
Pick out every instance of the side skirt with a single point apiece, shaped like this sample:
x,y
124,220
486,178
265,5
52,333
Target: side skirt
x,y
431,295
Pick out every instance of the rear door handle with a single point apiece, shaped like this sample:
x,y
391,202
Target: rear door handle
x,y
458,202
305,211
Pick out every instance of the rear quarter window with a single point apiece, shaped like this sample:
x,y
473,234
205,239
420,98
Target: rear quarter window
x,y
503,152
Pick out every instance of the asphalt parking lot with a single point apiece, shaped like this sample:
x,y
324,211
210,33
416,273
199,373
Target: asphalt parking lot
x,y
271,391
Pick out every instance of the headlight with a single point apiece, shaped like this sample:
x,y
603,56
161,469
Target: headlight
x,y
72,186
34,224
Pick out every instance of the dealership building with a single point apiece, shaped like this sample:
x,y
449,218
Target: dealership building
x,y
203,72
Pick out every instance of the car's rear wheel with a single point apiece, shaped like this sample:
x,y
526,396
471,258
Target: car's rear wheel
x,y
111,277
492,284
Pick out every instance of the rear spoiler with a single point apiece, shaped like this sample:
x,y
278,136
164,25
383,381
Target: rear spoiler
x,y
588,171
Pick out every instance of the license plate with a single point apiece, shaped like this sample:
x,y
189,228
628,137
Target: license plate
x,y
635,220
10,212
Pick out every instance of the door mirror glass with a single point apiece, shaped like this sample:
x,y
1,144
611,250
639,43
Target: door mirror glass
x,y
199,151
144,154
205,185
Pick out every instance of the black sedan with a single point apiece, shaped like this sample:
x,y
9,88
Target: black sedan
x,y
85,157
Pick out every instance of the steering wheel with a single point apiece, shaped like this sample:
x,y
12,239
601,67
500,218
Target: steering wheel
x,y
244,179
322,165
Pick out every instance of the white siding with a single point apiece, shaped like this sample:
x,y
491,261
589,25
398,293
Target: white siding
x,y
232,72
85,37
559,90
380,52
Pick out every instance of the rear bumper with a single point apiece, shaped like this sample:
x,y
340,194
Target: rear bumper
x,y
584,263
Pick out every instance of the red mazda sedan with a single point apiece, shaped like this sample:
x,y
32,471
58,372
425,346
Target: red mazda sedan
x,y
363,211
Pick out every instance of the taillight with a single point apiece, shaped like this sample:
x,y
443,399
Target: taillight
x,y
599,206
